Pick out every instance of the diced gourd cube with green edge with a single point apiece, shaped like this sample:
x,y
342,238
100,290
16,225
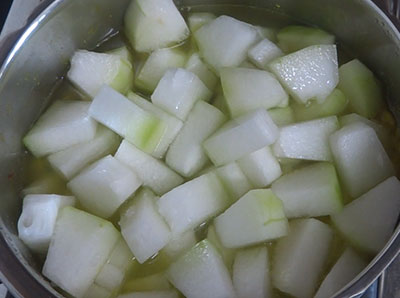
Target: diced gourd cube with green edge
x,y
309,74
334,104
80,246
153,172
154,24
299,258
156,65
143,228
306,140
194,202
224,42
227,254
360,158
256,217
196,65
310,191
347,267
64,124
294,38
251,273
186,154
361,88
179,244
153,282
95,291
103,186
264,52
48,184
90,71
266,32
138,126
201,273
38,218
282,116
241,136
369,221
122,52
173,124
197,19
246,90
260,167
72,160
178,91
151,294
234,180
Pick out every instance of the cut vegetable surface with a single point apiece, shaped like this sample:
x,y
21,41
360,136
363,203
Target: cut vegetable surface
x,y
256,217
227,254
179,244
309,191
264,52
369,221
196,65
198,19
282,116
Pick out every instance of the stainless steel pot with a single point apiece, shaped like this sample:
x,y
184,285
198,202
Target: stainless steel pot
x,y
40,57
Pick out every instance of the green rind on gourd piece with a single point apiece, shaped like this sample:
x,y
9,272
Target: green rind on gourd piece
x,y
369,221
152,294
310,191
224,42
186,154
361,88
251,273
80,246
334,104
308,74
143,228
241,136
246,90
65,123
282,116
264,52
142,128
197,19
306,140
90,71
201,273
173,124
294,38
122,52
178,91
156,65
299,258
72,160
360,158
227,254
154,24
194,202
347,267
103,186
152,171
196,65
180,244
256,217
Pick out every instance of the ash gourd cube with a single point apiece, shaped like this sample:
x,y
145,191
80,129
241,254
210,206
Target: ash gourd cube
x,y
227,254
282,116
264,52
196,65
198,19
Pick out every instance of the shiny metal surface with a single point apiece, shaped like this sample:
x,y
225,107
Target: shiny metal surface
x,y
40,59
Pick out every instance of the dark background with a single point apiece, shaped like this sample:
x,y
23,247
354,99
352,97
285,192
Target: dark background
x,y
4,8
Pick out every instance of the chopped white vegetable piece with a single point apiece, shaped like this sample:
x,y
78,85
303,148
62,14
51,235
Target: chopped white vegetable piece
x,y
122,52
196,65
263,53
110,277
266,32
227,254
282,116
180,244
121,256
198,19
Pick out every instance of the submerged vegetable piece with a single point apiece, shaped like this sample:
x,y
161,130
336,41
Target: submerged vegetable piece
x,y
311,73
103,186
198,19
38,218
306,140
48,184
345,269
369,221
294,38
264,52
256,217
361,88
309,191
246,90
299,258
201,273
154,282
140,127
122,52
178,91
90,71
80,246
241,136
227,254
179,244
154,24
360,158
251,273
143,228
64,124
194,202
196,65
151,294
282,116
224,42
